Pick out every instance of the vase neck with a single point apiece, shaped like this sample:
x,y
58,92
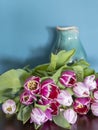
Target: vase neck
x,y
68,32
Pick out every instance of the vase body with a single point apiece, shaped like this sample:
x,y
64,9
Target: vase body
x,y
67,39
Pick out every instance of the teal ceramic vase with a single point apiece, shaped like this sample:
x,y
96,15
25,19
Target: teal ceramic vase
x,y
67,39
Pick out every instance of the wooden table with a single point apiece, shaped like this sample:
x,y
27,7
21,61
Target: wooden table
x,y
84,123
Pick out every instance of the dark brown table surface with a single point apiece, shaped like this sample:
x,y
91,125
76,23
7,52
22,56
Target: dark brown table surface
x,y
83,123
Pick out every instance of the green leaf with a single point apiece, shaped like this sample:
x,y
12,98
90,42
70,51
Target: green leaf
x,y
44,78
10,80
79,72
88,71
84,64
40,70
52,65
61,121
40,67
70,90
27,68
3,99
36,127
18,106
63,57
26,113
57,74
42,107
22,75
20,113
60,85
7,93
13,79
96,75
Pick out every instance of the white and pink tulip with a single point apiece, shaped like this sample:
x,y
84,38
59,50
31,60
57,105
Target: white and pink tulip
x,y
64,98
68,78
70,115
94,108
90,82
26,98
9,107
39,117
81,90
49,89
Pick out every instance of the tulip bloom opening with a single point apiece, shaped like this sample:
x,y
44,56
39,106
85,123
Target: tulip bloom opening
x,y
49,89
9,106
32,85
82,105
26,98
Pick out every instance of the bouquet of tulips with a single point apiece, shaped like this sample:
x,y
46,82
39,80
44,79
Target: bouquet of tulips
x,y
58,91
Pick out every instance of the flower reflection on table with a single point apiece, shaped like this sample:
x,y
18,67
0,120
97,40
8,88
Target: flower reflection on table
x,y
88,122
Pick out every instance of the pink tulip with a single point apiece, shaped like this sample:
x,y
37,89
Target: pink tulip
x,y
32,85
90,82
70,115
53,104
82,105
94,108
49,89
9,106
54,107
39,117
68,78
26,98
96,94
81,90
44,101
64,98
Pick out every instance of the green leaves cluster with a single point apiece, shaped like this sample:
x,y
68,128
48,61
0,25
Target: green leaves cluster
x,y
24,113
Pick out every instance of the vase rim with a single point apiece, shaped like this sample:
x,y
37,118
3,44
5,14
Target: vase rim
x,y
67,28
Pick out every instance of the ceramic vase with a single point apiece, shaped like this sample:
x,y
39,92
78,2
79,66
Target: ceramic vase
x,y
67,39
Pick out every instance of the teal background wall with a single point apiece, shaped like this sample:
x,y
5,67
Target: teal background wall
x,y
27,29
